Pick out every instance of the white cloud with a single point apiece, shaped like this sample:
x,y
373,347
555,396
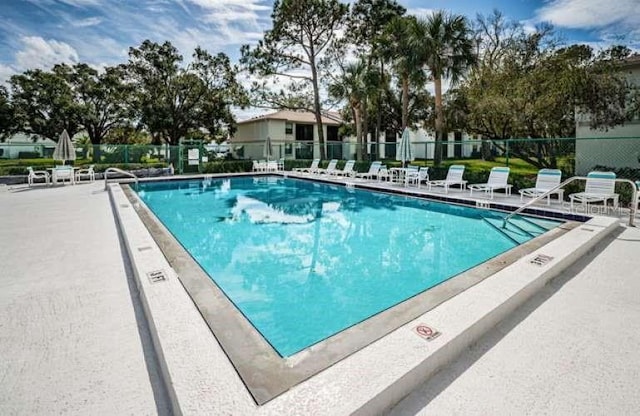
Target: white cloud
x,y
233,11
81,3
588,14
420,12
89,21
40,53
5,73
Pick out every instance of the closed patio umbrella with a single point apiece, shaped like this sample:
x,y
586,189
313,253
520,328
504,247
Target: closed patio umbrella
x,y
64,148
404,152
268,150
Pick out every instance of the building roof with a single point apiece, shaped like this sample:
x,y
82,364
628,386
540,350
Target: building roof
x,y
633,60
29,139
329,117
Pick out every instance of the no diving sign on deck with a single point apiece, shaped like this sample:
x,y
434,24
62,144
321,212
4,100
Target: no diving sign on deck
x,y
426,332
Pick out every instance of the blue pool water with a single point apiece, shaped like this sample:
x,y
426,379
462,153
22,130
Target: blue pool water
x,y
303,261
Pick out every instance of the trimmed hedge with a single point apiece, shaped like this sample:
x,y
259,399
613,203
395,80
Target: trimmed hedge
x,y
228,166
28,155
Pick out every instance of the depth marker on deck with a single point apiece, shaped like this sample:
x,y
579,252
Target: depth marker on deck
x,y
427,332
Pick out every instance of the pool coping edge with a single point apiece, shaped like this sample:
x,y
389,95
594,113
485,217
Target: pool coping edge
x,y
376,396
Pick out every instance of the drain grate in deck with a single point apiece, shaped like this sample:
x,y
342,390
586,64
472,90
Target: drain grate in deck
x,y
541,259
157,276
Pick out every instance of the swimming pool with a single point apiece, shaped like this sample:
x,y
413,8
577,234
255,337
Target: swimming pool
x,y
303,261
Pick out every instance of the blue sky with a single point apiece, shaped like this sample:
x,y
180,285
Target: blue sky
x,y
40,33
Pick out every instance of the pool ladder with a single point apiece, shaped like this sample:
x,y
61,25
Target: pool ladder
x,y
117,170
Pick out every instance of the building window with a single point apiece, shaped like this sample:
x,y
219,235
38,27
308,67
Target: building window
x,y
288,128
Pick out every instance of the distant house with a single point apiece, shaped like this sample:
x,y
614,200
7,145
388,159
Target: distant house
x,y
25,147
614,150
293,134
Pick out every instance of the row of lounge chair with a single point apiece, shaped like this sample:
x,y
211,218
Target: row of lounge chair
x,y
64,173
268,165
600,186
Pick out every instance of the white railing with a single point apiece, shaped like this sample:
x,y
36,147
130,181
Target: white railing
x,y
124,172
632,209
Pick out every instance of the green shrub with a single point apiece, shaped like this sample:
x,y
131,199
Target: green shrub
x,y
227,166
28,155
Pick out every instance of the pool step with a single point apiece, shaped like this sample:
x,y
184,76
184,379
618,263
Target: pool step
x,y
513,233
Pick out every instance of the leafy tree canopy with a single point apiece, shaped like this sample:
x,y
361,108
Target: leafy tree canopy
x,y
171,101
527,87
295,50
44,103
6,113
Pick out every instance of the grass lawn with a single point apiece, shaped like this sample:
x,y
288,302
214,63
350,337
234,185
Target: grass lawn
x,y
518,166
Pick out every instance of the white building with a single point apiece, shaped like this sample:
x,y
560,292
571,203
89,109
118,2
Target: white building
x,y
619,146
293,134
22,144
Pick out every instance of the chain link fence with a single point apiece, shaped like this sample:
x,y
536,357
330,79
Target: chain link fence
x,y
573,156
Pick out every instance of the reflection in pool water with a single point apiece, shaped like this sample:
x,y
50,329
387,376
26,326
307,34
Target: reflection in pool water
x,y
303,261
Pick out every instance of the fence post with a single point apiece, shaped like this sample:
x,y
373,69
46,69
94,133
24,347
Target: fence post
x,y
507,152
126,153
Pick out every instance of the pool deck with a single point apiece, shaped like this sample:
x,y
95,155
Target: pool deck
x,y
74,339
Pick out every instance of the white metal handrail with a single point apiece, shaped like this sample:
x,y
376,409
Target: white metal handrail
x,y
632,210
124,172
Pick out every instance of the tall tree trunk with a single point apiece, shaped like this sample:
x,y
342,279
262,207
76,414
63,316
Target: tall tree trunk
x,y
317,109
357,121
437,155
379,108
364,116
405,101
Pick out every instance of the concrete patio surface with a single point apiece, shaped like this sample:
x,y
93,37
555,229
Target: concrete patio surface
x,y
74,339
570,350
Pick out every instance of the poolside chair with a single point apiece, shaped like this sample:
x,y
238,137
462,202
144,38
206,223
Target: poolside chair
x,y
497,180
281,164
347,170
330,169
416,174
454,177
271,166
383,174
546,180
373,171
88,173
37,175
311,169
63,173
259,165
600,187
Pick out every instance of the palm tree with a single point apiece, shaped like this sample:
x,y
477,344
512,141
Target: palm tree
x,y
354,85
399,46
447,52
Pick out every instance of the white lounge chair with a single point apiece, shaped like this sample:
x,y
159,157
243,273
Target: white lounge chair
x,y
383,174
416,174
454,177
373,171
37,175
259,165
271,166
63,173
546,180
88,173
330,168
600,187
311,169
497,180
347,170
